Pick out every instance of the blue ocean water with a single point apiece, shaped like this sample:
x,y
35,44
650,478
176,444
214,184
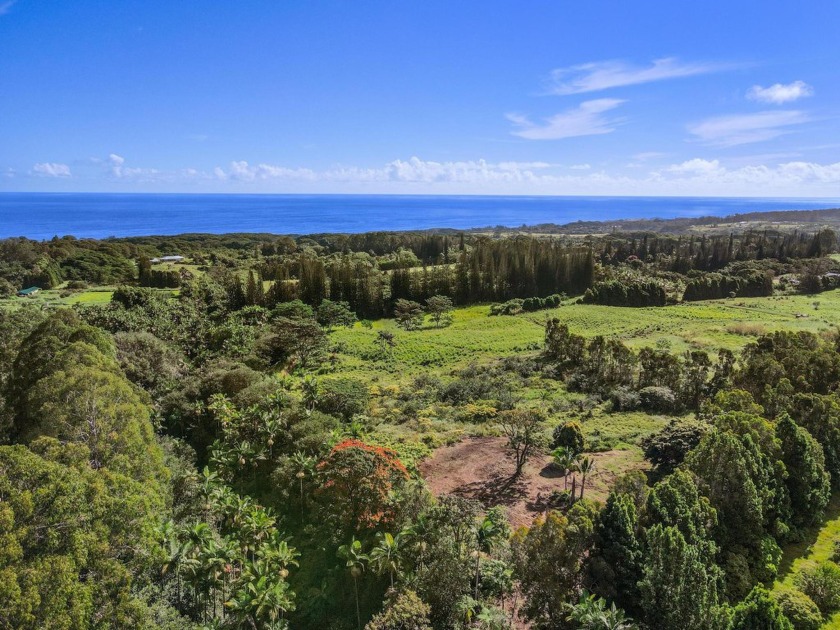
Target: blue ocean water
x,y
99,215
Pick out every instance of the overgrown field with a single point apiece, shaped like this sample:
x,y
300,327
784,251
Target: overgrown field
x,y
474,336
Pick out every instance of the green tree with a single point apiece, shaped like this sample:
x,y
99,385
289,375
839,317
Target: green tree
x,y
759,611
822,584
568,435
403,610
386,556
680,589
523,429
593,613
799,609
439,308
548,560
355,560
299,341
807,481
333,314
615,561
409,315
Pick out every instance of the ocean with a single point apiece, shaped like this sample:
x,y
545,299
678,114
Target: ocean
x,y
100,215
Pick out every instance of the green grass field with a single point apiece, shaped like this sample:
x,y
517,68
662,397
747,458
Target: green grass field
x,y
476,336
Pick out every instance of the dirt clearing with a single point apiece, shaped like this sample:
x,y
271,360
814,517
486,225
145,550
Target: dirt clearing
x,y
481,468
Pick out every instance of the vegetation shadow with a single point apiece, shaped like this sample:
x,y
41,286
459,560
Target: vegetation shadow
x,y
498,490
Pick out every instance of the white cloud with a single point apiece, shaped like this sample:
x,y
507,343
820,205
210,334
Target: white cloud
x,y
779,93
584,120
602,75
242,171
753,178
10,173
697,166
697,176
732,130
51,169
580,167
5,7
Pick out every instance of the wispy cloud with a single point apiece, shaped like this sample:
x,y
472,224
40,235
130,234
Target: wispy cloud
x,y
242,171
736,129
51,169
780,93
585,120
602,75
6,6
696,166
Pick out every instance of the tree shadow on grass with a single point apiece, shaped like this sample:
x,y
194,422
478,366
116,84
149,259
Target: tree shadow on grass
x,y
793,551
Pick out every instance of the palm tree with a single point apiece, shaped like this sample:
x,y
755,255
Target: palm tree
x,y
586,466
262,598
416,537
564,459
305,465
592,613
175,551
355,560
386,555
309,387
486,534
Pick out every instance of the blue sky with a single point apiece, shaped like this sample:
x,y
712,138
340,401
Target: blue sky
x,y
435,97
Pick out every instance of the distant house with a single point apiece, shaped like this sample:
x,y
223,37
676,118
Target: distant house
x,y
164,259
28,292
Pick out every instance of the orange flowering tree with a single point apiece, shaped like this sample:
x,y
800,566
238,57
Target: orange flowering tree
x,y
356,482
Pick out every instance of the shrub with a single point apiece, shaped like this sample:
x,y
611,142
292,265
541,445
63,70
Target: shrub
x,y
667,449
658,399
799,609
343,397
625,399
822,585
568,435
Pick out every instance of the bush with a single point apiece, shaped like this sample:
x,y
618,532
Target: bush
x,y
342,397
658,399
822,585
568,435
667,449
799,609
625,399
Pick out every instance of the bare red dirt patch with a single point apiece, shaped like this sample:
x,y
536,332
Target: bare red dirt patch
x,y
481,469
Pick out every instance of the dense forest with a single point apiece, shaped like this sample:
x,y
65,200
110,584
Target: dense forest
x,y
190,455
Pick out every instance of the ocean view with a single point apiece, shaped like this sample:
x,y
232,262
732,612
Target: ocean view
x,y
100,215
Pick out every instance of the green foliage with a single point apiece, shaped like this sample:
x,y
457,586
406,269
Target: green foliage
x,y
667,449
800,609
759,611
403,610
593,613
548,561
342,397
636,293
680,587
569,436
333,314
408,314
822,584
523,429
807,481
616,557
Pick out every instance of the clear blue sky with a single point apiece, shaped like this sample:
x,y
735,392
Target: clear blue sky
x,y
539,97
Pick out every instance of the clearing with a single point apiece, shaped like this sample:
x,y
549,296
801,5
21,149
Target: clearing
x,y
480,468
